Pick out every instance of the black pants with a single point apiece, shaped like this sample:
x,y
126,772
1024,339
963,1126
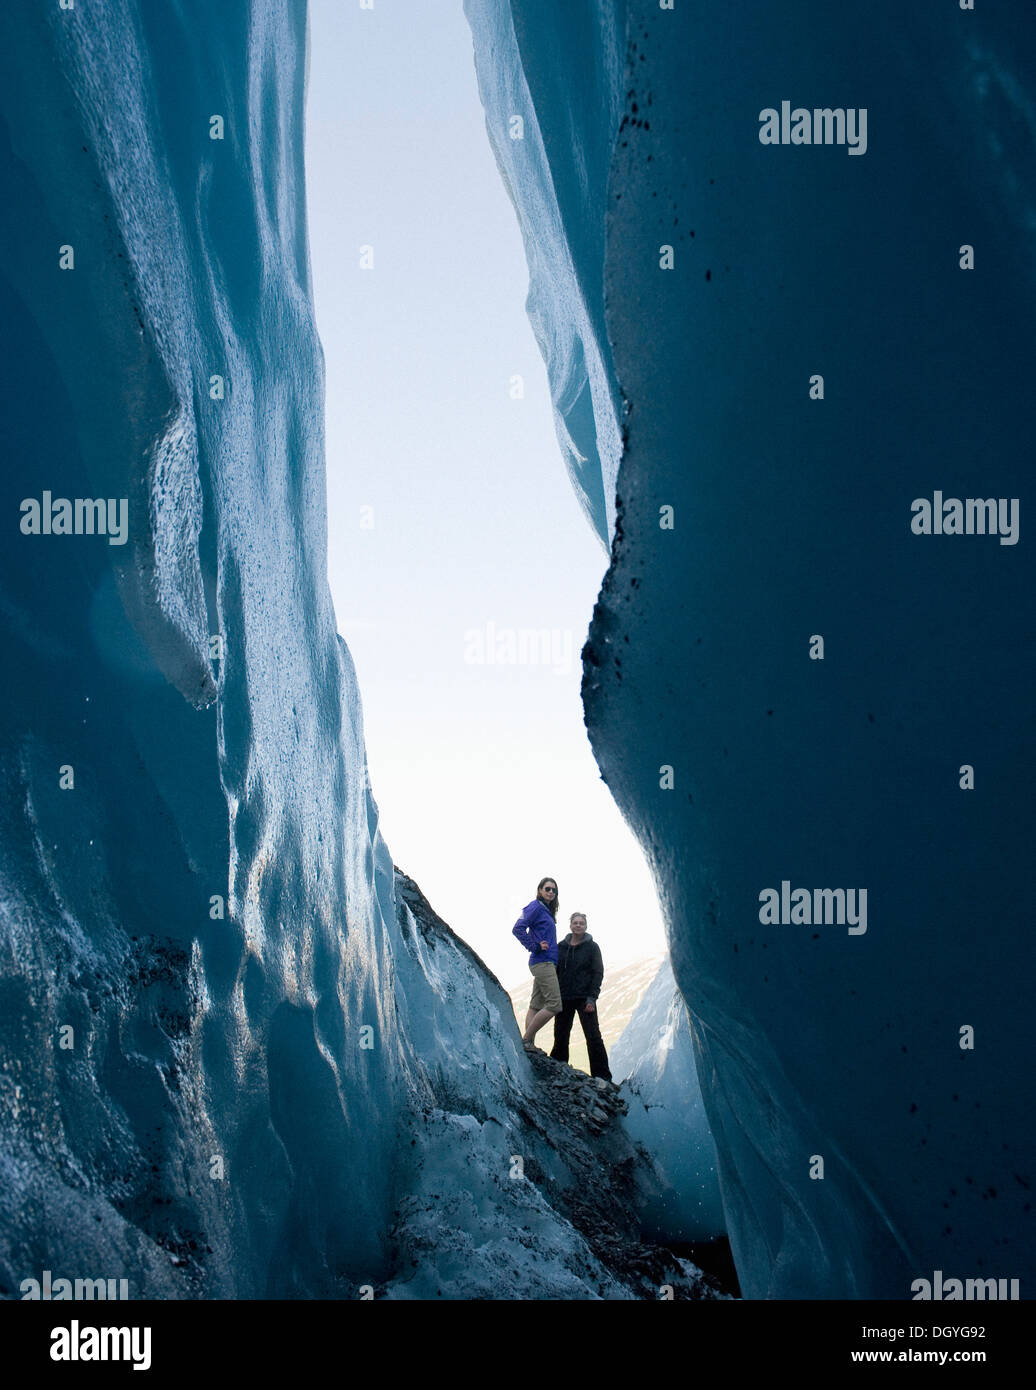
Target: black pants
x,y
591,1032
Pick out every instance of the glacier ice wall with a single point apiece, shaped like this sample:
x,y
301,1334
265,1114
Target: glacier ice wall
x,y
655,1059
567,59
792,520
201,906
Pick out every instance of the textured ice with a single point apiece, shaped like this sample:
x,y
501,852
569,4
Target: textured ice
x,y
519,1178
561,58
239,1055
205,1032
792,519
654,1057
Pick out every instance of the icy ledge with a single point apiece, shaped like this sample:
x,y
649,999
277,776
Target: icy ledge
x,y
521,1180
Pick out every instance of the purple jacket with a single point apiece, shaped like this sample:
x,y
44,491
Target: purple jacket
x,y
536,925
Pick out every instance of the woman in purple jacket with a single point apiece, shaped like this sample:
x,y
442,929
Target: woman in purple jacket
x,y
537,932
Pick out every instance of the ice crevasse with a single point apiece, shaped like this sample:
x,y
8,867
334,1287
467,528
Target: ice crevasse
x,y
240,1055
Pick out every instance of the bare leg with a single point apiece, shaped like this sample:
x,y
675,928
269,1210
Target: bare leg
x,y
534,1022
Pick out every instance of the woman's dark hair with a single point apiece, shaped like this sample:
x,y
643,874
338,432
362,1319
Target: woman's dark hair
x,y
552,908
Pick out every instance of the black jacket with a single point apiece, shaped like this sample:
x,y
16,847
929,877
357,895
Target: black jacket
x,y
580,968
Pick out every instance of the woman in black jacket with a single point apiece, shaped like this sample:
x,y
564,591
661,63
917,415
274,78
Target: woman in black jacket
x,y
580,974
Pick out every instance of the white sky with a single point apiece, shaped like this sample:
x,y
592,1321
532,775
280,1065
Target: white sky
x,y
483,773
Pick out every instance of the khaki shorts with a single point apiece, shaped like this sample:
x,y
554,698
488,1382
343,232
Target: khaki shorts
x,y
546,992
